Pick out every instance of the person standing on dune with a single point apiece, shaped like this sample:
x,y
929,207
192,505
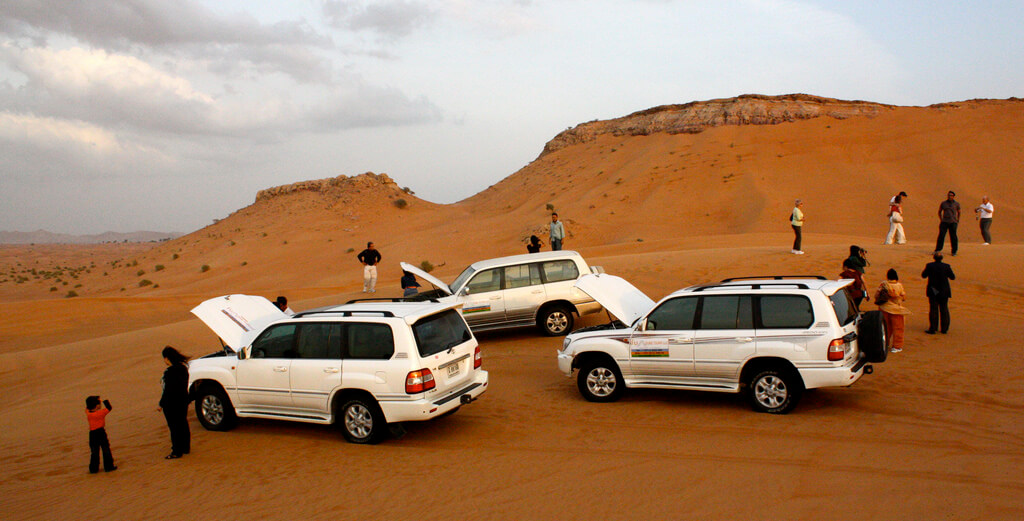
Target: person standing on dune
x,y
949,219
557,233
984,214
369,257
796,220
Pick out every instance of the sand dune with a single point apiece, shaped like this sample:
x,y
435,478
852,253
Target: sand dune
x,y
936,433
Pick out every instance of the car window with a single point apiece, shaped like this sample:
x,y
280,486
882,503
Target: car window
x,y
462,278
440,332
844,306
674,314
726,312
369,341
318,341
489,280
555,271
521,276
786,311
276,342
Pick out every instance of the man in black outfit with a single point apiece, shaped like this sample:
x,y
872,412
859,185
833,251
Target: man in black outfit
x,y
938,274
949,219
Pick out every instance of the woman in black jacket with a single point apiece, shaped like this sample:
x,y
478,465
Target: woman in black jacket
x,y
174,401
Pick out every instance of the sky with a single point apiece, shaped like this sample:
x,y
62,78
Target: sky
x,y
126,115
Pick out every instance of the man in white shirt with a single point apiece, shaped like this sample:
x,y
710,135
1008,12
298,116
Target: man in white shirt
x,y
984,216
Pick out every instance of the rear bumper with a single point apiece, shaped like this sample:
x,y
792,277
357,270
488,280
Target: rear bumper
x,y
425,408
835,376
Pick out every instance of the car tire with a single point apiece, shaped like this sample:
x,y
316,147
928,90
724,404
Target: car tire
x,y
362,421
555,320
214,409
600,381
774,391
872,337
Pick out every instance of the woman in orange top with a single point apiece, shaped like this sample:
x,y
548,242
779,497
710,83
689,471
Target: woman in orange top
x,y
893,309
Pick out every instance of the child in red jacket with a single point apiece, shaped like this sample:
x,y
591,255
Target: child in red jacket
x,y
98,434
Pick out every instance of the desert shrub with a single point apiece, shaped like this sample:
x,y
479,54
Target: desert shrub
x,y
401,203
350,250
205,268
550,207
71,294
53,288
158,267
245,263
426,266
175,256
145,282
140,273
231,243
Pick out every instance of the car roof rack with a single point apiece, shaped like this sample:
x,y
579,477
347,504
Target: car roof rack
x,y
753,285
391,299
777,277
344,313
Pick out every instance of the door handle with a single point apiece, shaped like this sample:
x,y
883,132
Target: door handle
x,y
281,369
331,370
745,339
496,298
537,292
680,340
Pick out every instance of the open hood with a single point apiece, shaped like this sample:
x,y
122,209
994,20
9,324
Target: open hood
x,y
237,319
619,297
426,276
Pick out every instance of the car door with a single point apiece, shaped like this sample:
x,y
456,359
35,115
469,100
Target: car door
x,y
663,350
316,369
524,292
784,324
724,337
263,378
483,302
368,359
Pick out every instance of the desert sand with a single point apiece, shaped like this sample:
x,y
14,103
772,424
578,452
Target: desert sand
x,y
937,432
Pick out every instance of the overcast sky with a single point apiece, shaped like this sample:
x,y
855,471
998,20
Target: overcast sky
x,y
162,115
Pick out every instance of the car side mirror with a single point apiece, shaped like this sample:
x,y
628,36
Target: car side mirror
x,y
465,291
243,353
642,325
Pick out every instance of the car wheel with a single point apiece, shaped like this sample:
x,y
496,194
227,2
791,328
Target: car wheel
x,y
872,337
214,409
556,321
362,421
600,381
774,391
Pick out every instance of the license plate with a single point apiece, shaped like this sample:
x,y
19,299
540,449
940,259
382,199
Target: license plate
x,y
453,370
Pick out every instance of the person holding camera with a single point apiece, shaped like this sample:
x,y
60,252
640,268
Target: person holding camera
x,y
98,441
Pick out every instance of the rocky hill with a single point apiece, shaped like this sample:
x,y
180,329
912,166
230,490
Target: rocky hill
x,y
45,237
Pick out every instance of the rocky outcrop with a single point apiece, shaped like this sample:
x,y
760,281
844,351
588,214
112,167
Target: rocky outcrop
x,y
335,187
694,117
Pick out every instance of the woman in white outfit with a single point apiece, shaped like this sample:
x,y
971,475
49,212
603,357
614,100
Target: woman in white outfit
x,y
896,222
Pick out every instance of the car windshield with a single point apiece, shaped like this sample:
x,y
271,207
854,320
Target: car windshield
x,y
462,278
844,306
440,332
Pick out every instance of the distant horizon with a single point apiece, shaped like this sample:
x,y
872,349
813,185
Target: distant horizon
x,y
155,115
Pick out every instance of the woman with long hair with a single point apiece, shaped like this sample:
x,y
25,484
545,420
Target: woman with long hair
x,y
174,401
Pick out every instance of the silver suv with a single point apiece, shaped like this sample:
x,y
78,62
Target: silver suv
x,y
521,290
364,365
770,337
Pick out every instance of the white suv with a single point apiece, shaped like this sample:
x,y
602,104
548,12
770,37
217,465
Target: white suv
x,y
363,365
521,290
771,336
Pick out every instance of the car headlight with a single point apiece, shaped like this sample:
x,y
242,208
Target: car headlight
x,y
565,343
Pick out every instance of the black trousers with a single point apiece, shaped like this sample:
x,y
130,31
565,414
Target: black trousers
x,y
938,313
798,231
941,241
177,422
98,441
985,225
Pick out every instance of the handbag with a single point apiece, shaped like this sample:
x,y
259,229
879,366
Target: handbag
x,y
881,296
897,217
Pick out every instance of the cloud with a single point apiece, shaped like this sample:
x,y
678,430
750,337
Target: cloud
x,y
53,134
179,27
391,18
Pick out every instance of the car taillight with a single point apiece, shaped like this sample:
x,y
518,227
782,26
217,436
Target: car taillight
x,y
837,349
419,381
478,358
